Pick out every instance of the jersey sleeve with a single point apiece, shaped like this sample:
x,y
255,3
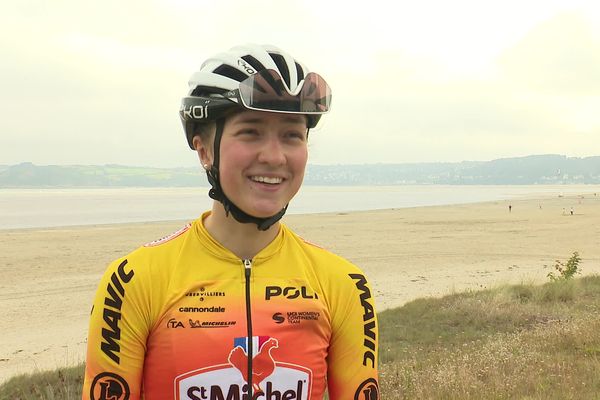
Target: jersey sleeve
x,y
119,326
353,351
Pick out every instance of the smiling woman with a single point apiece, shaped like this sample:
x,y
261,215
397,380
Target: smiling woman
x,y
263,158
217,309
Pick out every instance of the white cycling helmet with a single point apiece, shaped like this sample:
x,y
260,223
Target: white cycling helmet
x,y
252,77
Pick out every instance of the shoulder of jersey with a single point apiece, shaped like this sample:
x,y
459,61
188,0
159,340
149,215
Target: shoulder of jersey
x,y
169,237
330,258
308,242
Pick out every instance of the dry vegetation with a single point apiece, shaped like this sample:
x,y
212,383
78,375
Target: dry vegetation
x,y
525,342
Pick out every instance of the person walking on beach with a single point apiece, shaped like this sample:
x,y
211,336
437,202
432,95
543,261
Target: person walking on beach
x,y
235,305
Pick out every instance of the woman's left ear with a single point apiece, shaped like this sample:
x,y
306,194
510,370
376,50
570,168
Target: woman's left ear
x,y
203,153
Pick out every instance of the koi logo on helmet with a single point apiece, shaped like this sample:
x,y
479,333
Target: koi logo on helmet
x,y
270,379
249,70
194,112
109,386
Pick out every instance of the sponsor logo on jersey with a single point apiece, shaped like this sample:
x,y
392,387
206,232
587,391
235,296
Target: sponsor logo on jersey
x,y
210,324
201,294
212,309
278,318
368,318
173,323
171,236
289,292
271,379
111,333
109,386
368,390
296,317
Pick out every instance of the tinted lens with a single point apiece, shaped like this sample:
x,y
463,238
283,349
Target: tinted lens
x,y
267,91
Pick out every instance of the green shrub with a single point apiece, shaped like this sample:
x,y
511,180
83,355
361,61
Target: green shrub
x,y
568,270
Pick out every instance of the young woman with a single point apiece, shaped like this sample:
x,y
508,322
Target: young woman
x,y
235,306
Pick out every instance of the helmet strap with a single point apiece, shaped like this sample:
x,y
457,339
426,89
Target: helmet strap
x,y
216,191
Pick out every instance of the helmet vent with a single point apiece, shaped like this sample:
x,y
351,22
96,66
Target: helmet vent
x,y
230,72
254,63
282,66
299,72
206,91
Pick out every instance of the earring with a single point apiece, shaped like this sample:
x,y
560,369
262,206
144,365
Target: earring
x,y
205,166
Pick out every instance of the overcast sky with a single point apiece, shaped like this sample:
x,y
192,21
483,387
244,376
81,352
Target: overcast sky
x,y
99,82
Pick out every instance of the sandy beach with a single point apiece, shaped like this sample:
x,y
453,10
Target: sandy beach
x,y
49,276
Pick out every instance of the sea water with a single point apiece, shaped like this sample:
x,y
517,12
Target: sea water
x,y
35,208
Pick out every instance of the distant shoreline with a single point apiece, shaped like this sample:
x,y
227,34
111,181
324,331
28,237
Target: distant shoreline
x,y
205,186
528,170
68,207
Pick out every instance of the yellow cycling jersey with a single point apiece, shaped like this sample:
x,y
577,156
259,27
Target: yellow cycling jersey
x,y
184,318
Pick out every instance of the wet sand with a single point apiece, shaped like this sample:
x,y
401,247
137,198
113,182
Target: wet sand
x,y
49,276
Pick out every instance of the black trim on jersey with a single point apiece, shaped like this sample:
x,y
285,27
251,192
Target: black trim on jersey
x,y
250,339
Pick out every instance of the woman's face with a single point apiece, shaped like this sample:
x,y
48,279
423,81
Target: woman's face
x,y
262,160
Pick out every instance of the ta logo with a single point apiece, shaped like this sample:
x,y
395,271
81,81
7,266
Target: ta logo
x,y
109,386
173,323
368,390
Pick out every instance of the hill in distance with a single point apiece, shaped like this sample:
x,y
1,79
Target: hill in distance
x,y
529,170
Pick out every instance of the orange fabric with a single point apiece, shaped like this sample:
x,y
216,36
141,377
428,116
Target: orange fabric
x,y
169,322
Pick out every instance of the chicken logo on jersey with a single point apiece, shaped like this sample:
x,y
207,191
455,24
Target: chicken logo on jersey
x,y
271,378
263,364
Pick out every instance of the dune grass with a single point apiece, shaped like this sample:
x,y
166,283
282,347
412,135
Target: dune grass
x,y
510,342
60,384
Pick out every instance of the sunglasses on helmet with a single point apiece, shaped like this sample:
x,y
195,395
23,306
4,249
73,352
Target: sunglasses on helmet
x,y
267,91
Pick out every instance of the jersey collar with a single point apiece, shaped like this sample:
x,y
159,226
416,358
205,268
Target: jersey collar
x,y
218,250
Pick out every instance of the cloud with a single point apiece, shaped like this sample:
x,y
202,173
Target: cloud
x,y
441,123
101,83
559,57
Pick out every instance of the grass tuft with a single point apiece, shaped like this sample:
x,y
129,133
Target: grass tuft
x,y
523,341
63,384
520,341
